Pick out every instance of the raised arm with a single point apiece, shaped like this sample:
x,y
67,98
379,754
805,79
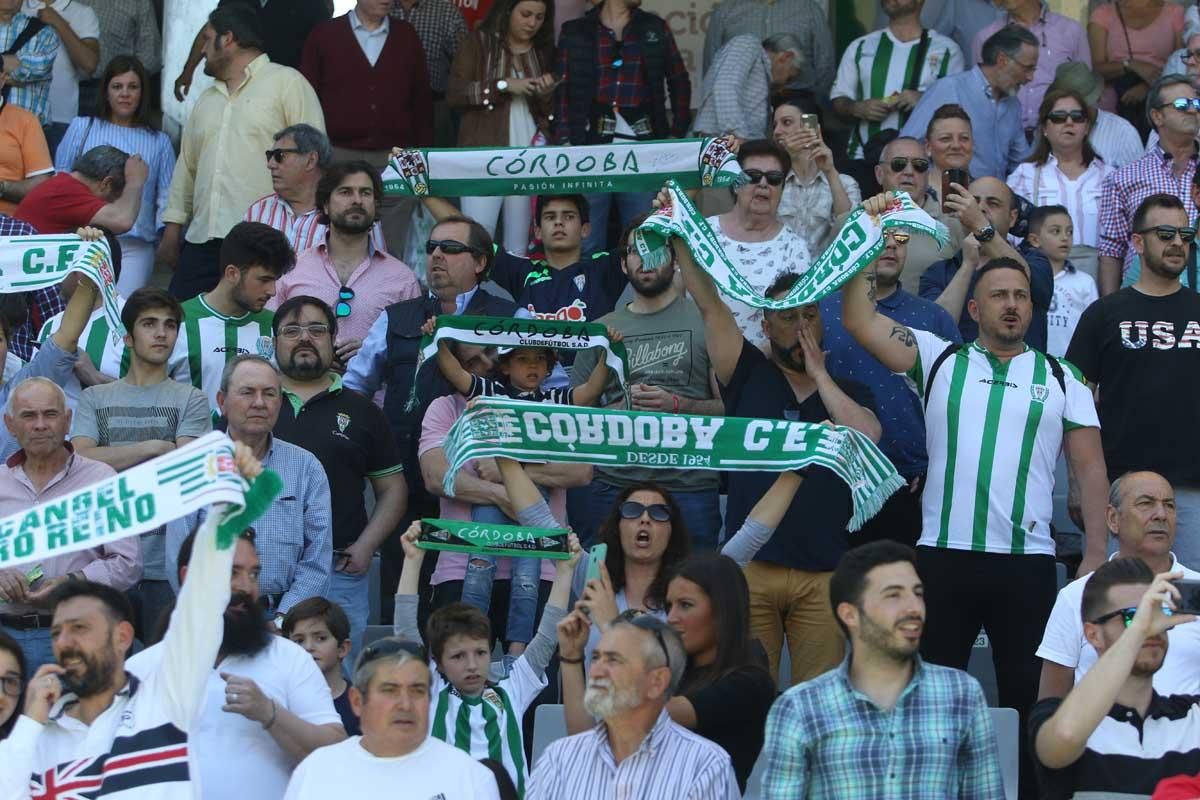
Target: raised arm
x,y
954,296
722,336
588,392
452,368
891,343
763,519
842,408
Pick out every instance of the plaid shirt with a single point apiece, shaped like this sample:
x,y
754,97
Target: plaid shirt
x,y
625,86
763,18
37,62
127,26
827,740
43,303
1125,189
440,27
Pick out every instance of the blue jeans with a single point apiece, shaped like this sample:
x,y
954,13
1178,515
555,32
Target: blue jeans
x,y
629,205
36,646
701,511
526,573
351,593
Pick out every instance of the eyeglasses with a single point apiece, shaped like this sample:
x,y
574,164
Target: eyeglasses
x,y
898,164
1027,67
278,153
640,619
774,177
1191,55
1126,614
1167,233
317,330
389,647
10,685
450,247
1182,104
345,295
1059,117
658,512
899,237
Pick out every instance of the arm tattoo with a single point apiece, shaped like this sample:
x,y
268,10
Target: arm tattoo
x,y
903,335
872,292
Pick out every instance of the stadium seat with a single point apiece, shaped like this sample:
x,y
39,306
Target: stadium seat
x,y
1060,571
549,725
373,616
983,669
1008,734
374,632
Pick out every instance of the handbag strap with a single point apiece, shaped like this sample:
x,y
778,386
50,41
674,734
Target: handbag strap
x,y
1124,27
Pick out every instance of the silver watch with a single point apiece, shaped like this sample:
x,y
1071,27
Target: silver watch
x,y
502,85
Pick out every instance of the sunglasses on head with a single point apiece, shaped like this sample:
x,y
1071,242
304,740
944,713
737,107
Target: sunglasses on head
x,y
345,295
898,164
390,647
450,247
1126,614
774,177
1167,233
1059,117
278,153
659,512
1182,104
640,619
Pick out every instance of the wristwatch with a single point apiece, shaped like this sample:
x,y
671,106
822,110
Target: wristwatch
x,y
986,235
278,621
502,85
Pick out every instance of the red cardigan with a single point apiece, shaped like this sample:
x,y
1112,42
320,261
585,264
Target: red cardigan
x,y
370,108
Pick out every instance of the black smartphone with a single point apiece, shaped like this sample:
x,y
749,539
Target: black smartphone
x,y
1189,596
950,176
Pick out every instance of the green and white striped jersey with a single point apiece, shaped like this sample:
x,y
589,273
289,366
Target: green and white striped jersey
x,y
488,726
994,430
109,356
876,66
208,340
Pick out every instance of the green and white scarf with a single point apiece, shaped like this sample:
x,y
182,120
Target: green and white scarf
x,y
493,539
616,167
28,263
569,434
857,244
138,500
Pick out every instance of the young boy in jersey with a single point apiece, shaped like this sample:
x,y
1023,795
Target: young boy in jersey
x,y
468,709
322,628
1052,232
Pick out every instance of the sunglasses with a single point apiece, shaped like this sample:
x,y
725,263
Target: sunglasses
x,y
774,177
899,237
1126,614
640,619
658,512
390,647
317,330
1167,233
450,247
1182,104
278,153
345,295
1059,117
898,164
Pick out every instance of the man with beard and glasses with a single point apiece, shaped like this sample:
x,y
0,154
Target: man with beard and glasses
x,y
266,706
232,320
636,750
89,727
142,416
351,438
346,270
1143,341
1114,735
884,723
44,468
997,414
903,439
789,577
669,372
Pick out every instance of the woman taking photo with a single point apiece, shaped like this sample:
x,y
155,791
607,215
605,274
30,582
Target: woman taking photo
x,y
12,683
121,121
501,83
1064,170
950,144
1130,42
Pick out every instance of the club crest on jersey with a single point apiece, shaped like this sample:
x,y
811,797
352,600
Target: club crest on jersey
x,y
490,697
343,421
1039,393
580,282
266,347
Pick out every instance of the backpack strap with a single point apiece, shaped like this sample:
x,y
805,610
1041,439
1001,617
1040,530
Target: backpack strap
x,y
1056,369
950,350
32,29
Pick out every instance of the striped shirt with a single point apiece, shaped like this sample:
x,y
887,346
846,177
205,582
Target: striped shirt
x,y
31,81
302,230
878,65
1046,185
1115,139
670,762
826,740
1126,188
994,430
208,340
108,355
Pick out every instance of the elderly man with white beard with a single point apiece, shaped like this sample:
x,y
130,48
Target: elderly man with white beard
x,y
635,669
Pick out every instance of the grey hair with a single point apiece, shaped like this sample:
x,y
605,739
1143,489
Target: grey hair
x,y
1007,40
652,653
309,140
887,148
231,367
786,43
8,404
1115,497
364,673
103,161
1154,96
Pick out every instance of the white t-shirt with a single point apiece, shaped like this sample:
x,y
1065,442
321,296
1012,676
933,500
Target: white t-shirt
x,y
1073,292
232,756
64,80
434,771
1063,641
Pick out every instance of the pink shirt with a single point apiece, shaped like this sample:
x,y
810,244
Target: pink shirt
x,y
378,281
117,564
439,418
1152,44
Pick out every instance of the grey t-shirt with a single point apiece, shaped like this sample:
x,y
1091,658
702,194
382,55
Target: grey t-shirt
x,y
119,413
666,349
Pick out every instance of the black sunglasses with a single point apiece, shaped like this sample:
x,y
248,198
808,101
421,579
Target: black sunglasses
x,y
659,512
640,619
390,647
1167,233
450,247
1059,117
278,153
1127,614
774,177
345,295
898,164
